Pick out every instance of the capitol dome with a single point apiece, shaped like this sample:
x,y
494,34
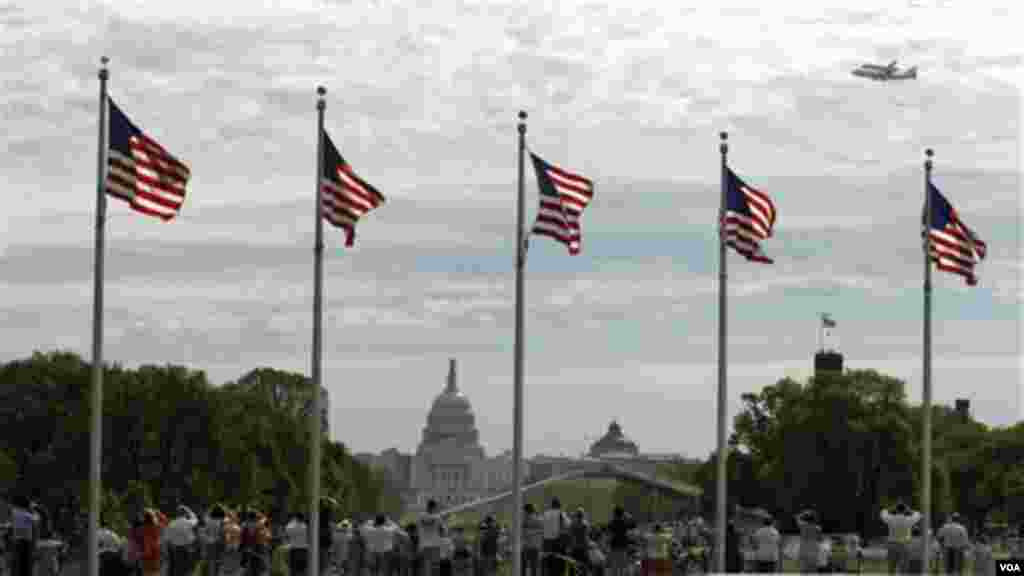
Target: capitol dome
x,y
451,417
614,443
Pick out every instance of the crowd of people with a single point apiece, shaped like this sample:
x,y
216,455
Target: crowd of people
x,y
225,541
904,553
555,543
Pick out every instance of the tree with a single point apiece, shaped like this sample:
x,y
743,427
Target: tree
x,y
842,444
169,437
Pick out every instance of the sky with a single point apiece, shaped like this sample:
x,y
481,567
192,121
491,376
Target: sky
x,y
422,101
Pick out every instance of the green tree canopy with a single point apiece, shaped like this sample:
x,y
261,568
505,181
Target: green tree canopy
x,y
169,437
848,444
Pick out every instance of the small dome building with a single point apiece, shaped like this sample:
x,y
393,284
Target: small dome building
x,y
613,444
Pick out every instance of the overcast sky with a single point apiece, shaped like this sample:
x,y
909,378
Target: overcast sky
x,y
422,101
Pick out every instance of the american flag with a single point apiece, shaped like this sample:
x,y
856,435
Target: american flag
x,y
140,171
749,218
345,197
955,248
563,196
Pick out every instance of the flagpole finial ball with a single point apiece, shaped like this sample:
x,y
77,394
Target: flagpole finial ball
x,y
103,67
929,152
321,91
723,136
522,115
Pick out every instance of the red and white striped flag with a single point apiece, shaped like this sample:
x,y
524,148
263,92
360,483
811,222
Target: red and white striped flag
x,y
563,196
955,248
749,218
140,171
345,196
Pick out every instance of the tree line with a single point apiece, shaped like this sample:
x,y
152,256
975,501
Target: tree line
x,y
848,444
169,437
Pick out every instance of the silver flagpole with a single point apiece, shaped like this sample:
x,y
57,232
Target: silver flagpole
x,y
720,492
96,427
926,372
517,441
314,416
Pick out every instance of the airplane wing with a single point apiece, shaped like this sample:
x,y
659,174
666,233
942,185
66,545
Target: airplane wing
x,y
891,66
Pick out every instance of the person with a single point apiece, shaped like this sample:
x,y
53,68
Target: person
x,y
533,540
824,554
342,540
24,536
648,551
429,530
211,537
131,547
106,539
245,541
297,536
150,532
445,552
405,550
43,520
462,555
984,561
326,535
357,550
579,540
953,538
256,542
733,555
108,545
232,532
555,525
618,541
596,559
412,530
177,539
767,540
810,543
662,550
488,546
900,522
380,542
915,550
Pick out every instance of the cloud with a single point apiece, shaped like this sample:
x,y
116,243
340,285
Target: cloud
x,y
422,102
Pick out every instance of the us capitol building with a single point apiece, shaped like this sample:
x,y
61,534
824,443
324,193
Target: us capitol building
x,y
451,466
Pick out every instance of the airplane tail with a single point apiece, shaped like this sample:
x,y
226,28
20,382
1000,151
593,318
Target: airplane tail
x,y
912,72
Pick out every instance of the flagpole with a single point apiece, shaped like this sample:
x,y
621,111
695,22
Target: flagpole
x,y
314,416
96,426
720,492
517,441
926,372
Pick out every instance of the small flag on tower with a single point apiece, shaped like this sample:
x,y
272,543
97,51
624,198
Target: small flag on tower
x,y
827,321
345,196
955,248
749,218
563,196
140,171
